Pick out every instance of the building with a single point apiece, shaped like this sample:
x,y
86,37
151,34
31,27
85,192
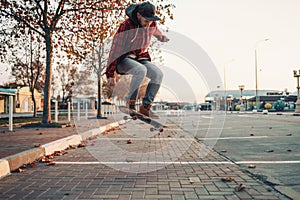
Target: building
x,y
4,99
21,98
229,100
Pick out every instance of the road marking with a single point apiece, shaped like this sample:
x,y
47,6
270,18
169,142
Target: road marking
x,y
177,162
207,117
270,162
230,138
143,162
187,138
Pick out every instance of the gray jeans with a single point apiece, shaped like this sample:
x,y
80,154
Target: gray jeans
x,y
139,70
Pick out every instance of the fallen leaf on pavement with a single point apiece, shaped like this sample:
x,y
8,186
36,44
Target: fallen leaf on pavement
x,y
32,164
57,153
44,159
21,170
105,133
51,163
50,156
227,179
129,141
73,146
240,187
82,145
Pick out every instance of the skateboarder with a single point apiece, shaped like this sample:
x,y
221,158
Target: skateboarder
x,y
128,54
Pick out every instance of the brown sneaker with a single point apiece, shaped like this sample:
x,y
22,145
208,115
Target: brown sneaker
x,y
146,110
131,105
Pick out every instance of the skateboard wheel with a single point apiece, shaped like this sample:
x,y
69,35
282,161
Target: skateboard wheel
x,y
161,130
135,117
152,129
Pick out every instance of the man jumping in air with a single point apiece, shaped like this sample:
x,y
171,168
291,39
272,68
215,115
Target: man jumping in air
x,y
128,55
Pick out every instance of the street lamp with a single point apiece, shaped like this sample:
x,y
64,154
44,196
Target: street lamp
x,y
297,75
241,87
225,84
256,80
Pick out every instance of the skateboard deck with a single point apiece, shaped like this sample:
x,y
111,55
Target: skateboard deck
x,y
134,115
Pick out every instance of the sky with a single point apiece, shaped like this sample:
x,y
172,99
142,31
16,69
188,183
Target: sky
x,y
229,31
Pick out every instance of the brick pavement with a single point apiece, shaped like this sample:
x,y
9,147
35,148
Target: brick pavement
x,y
167,166
22,139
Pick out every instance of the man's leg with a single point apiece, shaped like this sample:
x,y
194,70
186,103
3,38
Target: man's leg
x,y
155,75
138,72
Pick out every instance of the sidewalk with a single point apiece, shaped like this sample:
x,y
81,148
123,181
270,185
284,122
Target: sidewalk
x,y
171,165
24,145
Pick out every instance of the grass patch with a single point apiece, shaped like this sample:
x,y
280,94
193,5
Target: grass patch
x,y
34,122
41,125
20,120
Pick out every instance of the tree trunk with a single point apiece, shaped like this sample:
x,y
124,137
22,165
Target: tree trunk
x,y
34,103
48,80
99,115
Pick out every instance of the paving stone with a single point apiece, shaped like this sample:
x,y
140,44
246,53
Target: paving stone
x,y
100,181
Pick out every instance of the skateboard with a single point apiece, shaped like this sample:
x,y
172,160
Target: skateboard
x,y
134,115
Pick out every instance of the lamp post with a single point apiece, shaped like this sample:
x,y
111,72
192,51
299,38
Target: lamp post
x,y
218,99
225,84
256,78
241,87
297,75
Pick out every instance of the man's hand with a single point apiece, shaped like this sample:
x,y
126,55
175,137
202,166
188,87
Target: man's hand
x,y
165,39
111,81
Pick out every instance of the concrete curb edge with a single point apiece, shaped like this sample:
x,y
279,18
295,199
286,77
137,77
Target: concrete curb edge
x,y
13,162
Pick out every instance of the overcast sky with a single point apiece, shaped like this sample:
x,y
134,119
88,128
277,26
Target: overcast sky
x,y
230,30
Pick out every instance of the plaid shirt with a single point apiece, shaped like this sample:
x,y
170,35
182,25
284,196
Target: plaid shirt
x,y
131,40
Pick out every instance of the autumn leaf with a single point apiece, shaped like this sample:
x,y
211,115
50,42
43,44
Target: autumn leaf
x,y
227,179
21,170
240,187
51,163
129,141
81,145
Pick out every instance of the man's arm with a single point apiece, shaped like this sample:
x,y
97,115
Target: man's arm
x,y
116,50
159,35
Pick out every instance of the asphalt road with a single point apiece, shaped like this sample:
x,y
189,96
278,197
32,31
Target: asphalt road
x,y
267,142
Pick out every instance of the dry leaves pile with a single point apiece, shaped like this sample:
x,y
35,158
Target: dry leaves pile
x,y
48,159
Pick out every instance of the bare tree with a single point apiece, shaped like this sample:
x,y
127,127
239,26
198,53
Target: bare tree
x,y
63,25
67,75
28,70
66,25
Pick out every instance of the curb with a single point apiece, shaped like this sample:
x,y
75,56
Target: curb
x,y
13,162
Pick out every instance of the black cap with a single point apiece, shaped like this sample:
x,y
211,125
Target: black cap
x,y
147,10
